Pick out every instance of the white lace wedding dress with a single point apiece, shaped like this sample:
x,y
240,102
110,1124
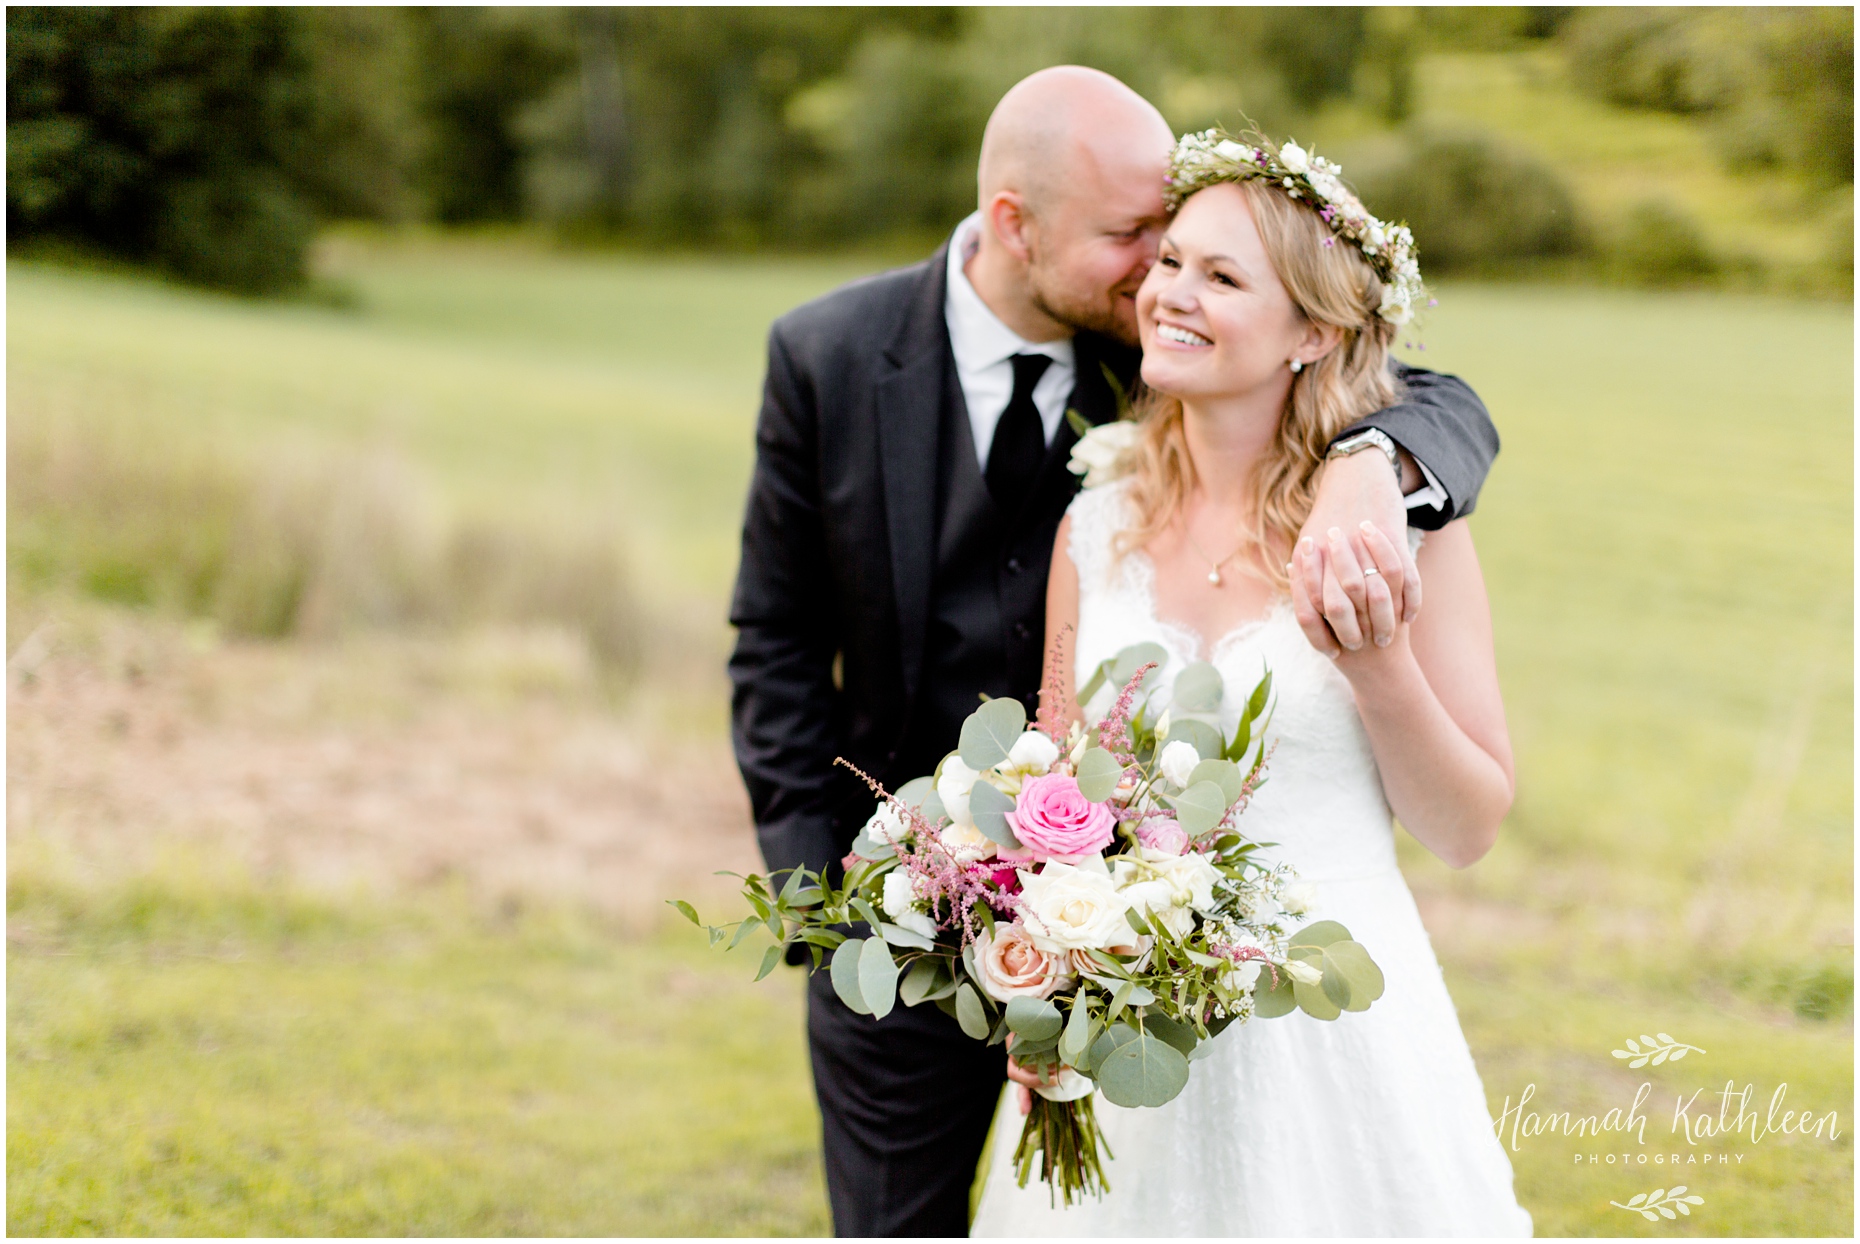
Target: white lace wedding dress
x,y
1371,1124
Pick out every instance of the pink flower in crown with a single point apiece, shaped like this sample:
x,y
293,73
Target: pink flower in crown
x,y
1053,819
1162,833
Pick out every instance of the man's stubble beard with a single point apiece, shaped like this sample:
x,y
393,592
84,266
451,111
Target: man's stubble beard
x,y
1096,314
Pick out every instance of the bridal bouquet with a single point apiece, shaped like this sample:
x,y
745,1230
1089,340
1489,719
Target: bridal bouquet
x,y
1081,893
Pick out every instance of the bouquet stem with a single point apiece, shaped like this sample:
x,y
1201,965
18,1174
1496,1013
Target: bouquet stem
x,y
1066,1137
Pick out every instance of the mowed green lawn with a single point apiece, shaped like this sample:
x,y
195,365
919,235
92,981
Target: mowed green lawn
x,y
1667,539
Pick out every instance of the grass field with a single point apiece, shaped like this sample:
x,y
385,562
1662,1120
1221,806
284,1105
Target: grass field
x,y
1667,538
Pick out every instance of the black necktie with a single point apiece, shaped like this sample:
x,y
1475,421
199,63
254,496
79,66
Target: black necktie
x,y
1020,438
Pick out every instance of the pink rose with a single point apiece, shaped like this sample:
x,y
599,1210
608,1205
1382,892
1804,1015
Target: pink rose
x,y
1009,965
1055,820
1007,878
1162,833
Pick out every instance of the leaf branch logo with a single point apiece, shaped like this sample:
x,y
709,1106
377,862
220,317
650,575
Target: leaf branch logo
x,y
1661,1202
1656,1050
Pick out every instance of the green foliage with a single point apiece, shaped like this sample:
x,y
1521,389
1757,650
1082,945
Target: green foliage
x,y
1658,245
1474,202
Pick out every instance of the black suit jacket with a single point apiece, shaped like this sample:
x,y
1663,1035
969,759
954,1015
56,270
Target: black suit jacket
x,y
839,535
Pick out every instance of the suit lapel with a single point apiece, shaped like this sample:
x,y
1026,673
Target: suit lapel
x,y
909,409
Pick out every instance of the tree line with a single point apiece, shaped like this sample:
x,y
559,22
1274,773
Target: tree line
x,y
212,142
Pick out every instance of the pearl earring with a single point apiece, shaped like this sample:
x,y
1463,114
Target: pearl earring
x,y
1296,367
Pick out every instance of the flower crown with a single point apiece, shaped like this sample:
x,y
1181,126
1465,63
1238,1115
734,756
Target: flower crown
x,y
1215,156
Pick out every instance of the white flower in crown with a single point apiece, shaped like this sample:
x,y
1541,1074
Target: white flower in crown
x,y
1295,158
1397,304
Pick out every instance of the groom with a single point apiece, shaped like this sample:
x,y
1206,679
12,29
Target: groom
x,y
910,476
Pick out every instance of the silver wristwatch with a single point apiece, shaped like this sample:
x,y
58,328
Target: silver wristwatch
x,y
1366,439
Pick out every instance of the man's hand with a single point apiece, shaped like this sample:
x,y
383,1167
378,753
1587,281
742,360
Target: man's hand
x,y
1341,606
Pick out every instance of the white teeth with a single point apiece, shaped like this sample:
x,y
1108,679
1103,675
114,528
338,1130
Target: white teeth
x,y
1169,332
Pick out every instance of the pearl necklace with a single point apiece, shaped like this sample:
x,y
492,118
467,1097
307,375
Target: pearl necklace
x,y
1214,567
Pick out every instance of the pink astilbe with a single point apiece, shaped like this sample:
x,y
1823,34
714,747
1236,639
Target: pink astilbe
x,y
1056,709
1114,730
938,876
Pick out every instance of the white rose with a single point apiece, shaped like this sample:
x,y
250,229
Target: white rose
x,y
953,787
1295,158
1303,972
1194,877
1230,149
967,843
1298,897
899,896
1097,454
1179,760
1033,752
1072,908
1156,882
886,825
1072,1086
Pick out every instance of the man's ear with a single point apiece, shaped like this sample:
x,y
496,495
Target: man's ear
x,y
1012,223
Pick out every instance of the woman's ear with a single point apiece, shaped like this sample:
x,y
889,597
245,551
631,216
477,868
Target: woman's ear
x,y
1320,340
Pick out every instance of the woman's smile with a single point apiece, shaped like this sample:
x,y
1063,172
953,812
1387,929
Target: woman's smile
x,y
1175,334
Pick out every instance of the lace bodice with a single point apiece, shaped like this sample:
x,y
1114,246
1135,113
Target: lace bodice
x,y
1322,801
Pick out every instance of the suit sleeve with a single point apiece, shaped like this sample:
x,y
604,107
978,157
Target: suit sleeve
x,y
1442,422
786,723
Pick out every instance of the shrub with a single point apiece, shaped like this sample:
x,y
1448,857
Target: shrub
x,y
1657,244
1473,203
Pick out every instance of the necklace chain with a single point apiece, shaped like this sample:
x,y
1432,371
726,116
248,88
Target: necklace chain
x,y
1214,567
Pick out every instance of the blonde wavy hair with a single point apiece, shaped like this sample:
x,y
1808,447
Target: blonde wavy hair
x,y
1330,283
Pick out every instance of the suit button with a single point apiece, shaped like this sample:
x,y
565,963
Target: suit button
x,y
1021,631
1013,565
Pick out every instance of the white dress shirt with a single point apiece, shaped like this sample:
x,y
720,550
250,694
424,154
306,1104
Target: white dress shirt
x,y
984,348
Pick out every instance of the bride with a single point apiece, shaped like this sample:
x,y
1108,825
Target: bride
x,y
1266,325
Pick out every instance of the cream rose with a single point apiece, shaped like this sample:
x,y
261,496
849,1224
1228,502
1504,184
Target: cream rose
x,y
900,903
953,786
1178,761
1073,908
1009,965
1099,454
1298,898
967,843
1033,752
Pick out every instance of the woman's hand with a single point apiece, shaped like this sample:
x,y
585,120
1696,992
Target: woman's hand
x,y
1368,575
1028,1078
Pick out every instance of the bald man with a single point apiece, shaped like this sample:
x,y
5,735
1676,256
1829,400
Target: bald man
x,y
910,477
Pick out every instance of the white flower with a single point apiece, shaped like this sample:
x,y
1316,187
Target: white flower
x,y
1072,1086
1294,157
1162,725
1179,760
1156,882
1074,908
1230,149
1303,972
886,825
1298,897
1397,307
1033,752
953,787
967,843
900,904
1241,976
1099,452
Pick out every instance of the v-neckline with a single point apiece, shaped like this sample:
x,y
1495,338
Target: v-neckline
x,y
1192,644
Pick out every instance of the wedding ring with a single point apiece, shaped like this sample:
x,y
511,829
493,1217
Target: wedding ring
x,y
1369,570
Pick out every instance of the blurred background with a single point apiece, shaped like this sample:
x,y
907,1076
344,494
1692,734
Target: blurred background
x,y
380,394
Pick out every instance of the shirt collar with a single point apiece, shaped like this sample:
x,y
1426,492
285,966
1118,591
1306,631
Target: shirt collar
x,y
977,336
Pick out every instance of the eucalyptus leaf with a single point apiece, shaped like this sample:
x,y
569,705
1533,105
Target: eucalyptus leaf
x,y
1033,1018
1336,985
1097,774
1223,773
912,793
1144,1072
1096,680
1200,807
991,731
1178,1034
933,809
1103,1044
1353,960
1205,738
900,936
1077,1037
1313,1001
1128,661
878,978
1198,689
969,1012
1322,933
1139,996
1270,1001
988,808
921,981
845,976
